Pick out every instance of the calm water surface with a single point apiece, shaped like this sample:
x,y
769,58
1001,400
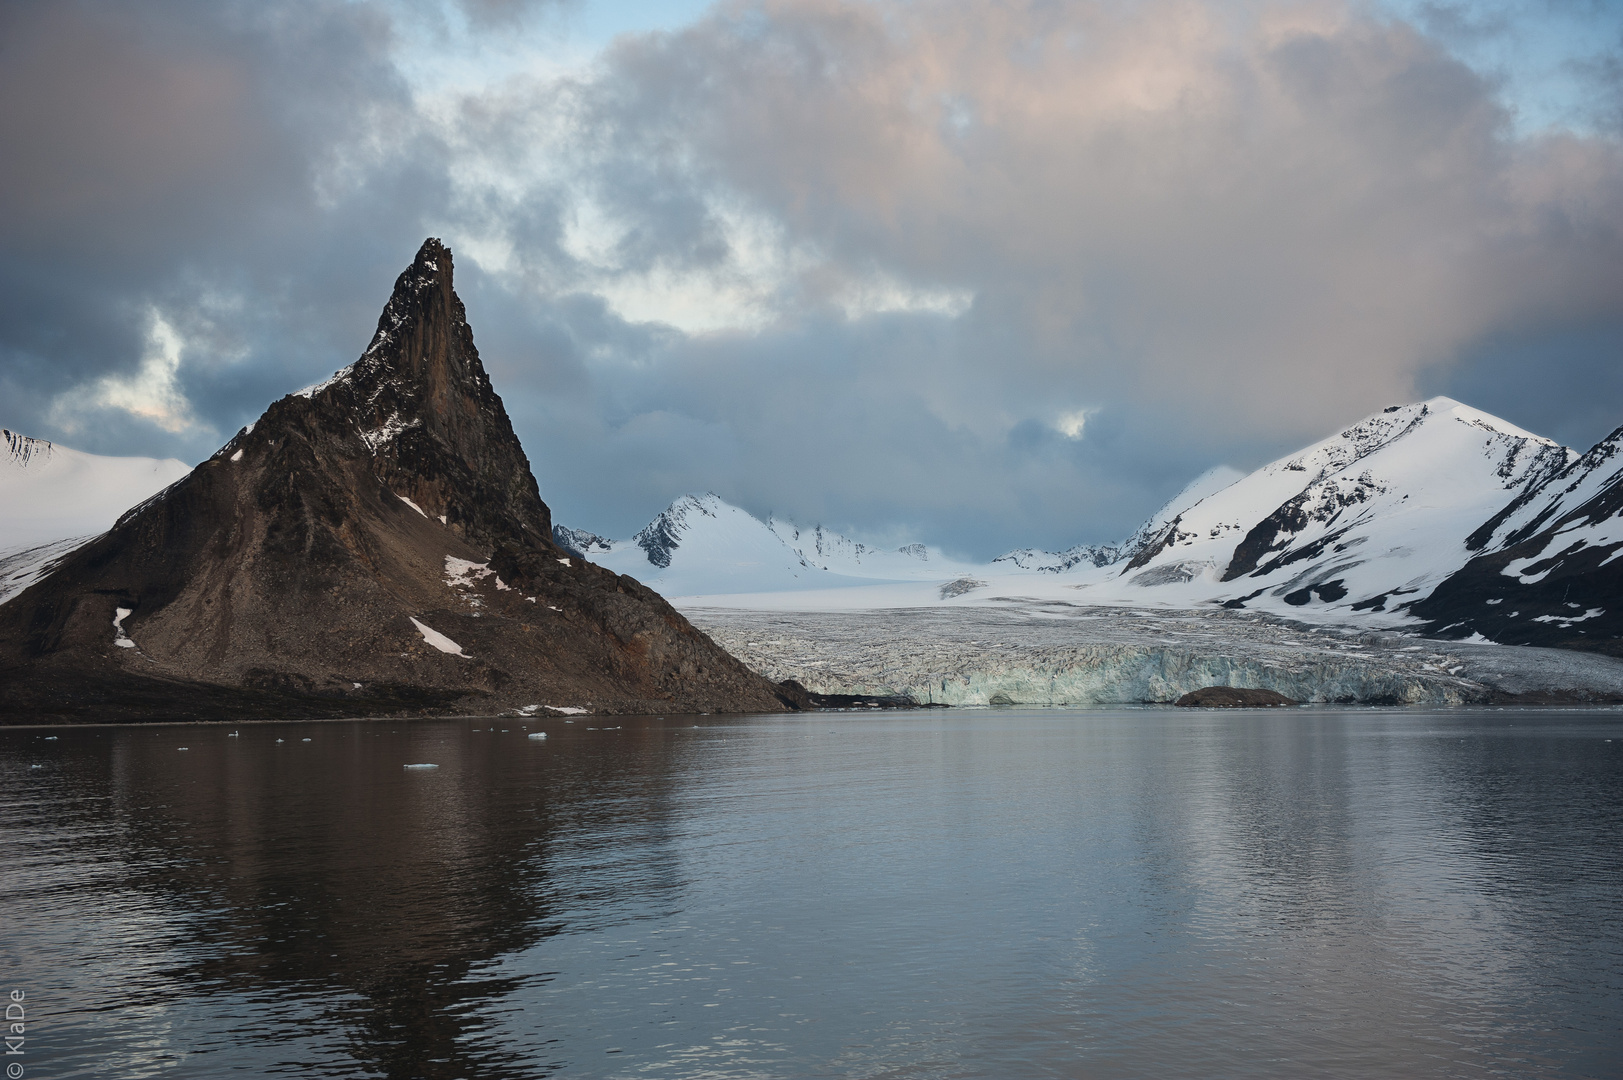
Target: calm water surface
x,y
1006,893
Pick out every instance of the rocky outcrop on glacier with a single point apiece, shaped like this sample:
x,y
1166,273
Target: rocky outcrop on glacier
x,y
374,544
1232,697
1546,570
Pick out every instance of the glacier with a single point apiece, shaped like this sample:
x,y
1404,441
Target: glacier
x,y
1021,652
1300,577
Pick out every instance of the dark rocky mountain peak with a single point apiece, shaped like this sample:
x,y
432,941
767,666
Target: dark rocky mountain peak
x,y
421,404
373,544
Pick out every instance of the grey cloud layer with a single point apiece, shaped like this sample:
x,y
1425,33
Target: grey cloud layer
x,y
889,247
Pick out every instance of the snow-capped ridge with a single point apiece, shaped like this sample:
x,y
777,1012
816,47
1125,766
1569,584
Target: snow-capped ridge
x,y
1378,511
22,449
579,542
703,545
662,536
50,493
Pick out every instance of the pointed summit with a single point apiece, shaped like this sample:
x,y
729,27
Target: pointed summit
x,y
420,401
375,544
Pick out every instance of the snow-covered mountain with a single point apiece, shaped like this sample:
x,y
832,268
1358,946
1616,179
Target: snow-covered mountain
x,y
1356,526
53,498
829,550
1354,523
1546,570
701,545
586,545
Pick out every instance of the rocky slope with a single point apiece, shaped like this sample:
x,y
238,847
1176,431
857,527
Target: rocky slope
x,y
375,544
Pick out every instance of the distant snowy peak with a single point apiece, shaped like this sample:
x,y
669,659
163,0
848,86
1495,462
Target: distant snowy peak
x,y
1058,562
1098,555
1333,456
829,550
1375,514
660,538
22,449
701,545
580,542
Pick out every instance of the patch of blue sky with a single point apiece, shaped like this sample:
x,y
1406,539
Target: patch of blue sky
x,y
443,49
1557,61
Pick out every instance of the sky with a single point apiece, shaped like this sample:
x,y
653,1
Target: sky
x,y
980,273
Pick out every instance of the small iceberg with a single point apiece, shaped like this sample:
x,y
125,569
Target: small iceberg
x,y
423,765
542,735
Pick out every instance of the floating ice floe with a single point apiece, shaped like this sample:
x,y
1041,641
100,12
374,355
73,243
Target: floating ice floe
x,y
422,765
538,734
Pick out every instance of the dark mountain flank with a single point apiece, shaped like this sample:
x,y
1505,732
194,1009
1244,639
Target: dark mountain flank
x,y
374,545
1550,568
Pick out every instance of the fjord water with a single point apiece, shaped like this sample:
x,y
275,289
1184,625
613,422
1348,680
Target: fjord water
x,y
998,893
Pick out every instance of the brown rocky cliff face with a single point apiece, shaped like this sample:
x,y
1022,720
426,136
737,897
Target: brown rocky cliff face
x,y
421,401
284,575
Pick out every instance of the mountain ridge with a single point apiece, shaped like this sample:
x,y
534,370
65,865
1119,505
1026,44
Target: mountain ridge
x,y
1359,527
373,544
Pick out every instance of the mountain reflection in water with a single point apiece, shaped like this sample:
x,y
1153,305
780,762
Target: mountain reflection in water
x,y
1101,893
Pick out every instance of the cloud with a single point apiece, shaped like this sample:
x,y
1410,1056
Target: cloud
x,y
1265,218
152,393
848,261
1072,424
